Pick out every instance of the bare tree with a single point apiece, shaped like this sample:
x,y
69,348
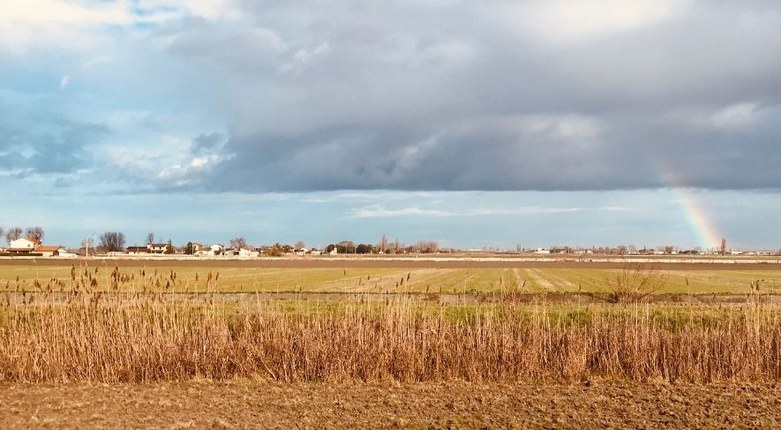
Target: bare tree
x,y
12,234
34,234
383,245
300,244
239,243
634,283
112,241
2,231
427,246
150,238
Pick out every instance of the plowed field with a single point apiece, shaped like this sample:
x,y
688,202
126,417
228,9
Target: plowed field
x,y
247,404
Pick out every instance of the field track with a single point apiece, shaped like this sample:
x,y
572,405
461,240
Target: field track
x,y
391,263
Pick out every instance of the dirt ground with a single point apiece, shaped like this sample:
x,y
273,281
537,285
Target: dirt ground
x,y
260,404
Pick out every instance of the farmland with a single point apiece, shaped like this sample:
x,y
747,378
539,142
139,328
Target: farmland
x,y
439,345
401,279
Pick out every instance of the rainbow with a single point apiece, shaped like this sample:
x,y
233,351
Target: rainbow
x,y
702,225
705,230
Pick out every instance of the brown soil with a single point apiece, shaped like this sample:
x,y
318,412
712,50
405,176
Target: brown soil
x,y
259,404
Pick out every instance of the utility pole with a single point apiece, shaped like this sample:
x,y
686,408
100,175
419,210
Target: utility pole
x,y
87,241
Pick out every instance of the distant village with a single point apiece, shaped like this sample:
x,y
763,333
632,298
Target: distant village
x,y
29,243
112,245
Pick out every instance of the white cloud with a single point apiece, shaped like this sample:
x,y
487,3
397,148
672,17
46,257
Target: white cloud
x,y
305,56
15,172
732,117
166,159
563,126
355,196
65,81
565,22
181,175
69,24
54,22
63,12
206,9
522,211
379,211
199,162
736,116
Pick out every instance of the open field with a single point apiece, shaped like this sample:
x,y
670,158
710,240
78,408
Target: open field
x,y
112,324
691,279
453,404
183,346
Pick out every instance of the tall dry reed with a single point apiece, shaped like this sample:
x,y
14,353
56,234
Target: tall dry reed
x,y
156,337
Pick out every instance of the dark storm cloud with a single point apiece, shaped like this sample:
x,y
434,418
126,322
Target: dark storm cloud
x,y
459,96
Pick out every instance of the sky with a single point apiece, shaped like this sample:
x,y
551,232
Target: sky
x,y
472,123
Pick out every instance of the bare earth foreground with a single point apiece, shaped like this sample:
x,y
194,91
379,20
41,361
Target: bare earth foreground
x,y
259,404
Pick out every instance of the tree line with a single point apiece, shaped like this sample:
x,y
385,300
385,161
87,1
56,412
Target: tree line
x,y
115,241
33,234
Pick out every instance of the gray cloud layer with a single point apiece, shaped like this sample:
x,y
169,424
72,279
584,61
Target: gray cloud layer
x,y
459,95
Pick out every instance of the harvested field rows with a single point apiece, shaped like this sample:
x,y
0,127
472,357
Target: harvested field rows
x,y
387,280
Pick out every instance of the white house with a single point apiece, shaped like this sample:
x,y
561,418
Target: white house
x,y
211,251
247,253
22,245
157,248
27,246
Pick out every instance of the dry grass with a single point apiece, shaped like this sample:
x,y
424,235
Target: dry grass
x,y
153,336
